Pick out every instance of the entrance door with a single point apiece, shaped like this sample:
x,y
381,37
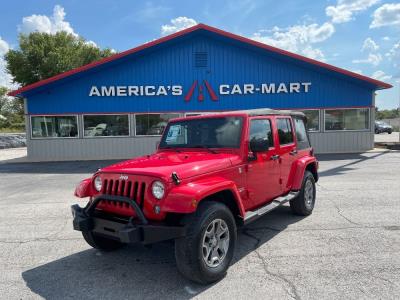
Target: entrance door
x,y
263,172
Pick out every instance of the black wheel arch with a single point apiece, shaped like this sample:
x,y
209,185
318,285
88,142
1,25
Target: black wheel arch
x,y
312,168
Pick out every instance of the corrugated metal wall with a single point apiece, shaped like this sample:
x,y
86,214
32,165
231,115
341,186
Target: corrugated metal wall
x,y
127,147
122,148
90,149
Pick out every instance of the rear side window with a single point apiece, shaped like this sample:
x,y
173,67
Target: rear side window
x,y
301,134
261,129
284,131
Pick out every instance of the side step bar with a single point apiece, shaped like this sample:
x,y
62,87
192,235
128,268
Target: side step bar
x,y
251,216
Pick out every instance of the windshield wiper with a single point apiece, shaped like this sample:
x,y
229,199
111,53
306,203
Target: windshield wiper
x,y
204,147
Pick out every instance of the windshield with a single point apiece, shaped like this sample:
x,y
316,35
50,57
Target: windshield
x,y
380,123
218,132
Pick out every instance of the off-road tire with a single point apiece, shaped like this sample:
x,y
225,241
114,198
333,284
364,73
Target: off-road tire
x,y
101,243
189,249
300,205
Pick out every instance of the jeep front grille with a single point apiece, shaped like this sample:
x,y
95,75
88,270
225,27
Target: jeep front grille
x,y
125,188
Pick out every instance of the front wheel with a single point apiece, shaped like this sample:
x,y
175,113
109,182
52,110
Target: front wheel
x,y
303,204
205,253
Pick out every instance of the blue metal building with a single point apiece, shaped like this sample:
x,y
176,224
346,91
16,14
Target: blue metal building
x,y
117,107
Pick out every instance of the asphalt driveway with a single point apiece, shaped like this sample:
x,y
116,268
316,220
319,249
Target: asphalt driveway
x,y
348,248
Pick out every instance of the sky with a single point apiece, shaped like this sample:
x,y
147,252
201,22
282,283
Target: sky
x,y
362,36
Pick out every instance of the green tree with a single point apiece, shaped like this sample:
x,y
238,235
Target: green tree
x,y
387,114
3,99
11,111
43,55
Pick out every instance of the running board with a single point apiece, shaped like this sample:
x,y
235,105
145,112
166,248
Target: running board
x,y
251,216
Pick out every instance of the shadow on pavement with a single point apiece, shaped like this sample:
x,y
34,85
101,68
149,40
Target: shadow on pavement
x,y
60,167
137,272
355,158
90,166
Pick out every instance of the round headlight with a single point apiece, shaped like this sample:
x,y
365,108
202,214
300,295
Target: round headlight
x,y
98,183
158,189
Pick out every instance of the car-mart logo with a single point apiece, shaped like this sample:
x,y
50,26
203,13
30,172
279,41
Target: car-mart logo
x,y
200,95
201,87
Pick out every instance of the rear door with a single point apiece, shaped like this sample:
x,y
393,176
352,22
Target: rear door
x,y
303,143
263,173
286,150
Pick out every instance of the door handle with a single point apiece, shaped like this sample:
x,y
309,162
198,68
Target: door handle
x,y
275,157
293,152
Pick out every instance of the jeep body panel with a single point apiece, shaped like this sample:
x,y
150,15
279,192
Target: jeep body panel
x,y
203,172
186,197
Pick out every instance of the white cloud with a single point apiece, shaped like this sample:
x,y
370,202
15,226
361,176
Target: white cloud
x,y
380,75
345,9
4,47
150,11
5,78
386,15
386,38
91,43
373,59
369,45
357,71
298,38
42,23
177,24
394,53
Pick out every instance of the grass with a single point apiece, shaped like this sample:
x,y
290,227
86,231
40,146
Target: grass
x,y
11,130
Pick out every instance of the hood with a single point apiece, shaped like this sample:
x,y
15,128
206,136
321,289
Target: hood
x,y
185,164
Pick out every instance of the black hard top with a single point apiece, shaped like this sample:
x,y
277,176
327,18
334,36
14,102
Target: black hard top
x,y
268,112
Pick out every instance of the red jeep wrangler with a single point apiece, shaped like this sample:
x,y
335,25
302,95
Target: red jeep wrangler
x,y
209,175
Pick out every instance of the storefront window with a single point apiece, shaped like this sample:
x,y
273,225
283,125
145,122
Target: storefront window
x,y
105,125
347,119
312,119
152,124
54,126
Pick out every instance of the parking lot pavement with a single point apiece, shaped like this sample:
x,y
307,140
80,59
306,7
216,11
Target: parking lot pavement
x,y
348,248
13,155
387,138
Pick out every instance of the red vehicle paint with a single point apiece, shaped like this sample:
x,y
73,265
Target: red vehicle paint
x,y
246,162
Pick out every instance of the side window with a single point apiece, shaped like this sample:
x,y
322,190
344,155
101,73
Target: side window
x,y
261,129
301,134
284,131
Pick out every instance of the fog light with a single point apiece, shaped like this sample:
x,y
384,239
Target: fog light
x,y
157,209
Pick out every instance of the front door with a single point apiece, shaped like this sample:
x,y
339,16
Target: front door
x,y
263,171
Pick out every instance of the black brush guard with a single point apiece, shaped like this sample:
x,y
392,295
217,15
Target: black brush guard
x,y
85,219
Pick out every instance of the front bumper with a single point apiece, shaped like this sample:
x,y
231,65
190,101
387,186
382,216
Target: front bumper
x,y
85,219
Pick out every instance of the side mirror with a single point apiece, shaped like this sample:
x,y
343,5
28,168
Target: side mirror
x,y
259,144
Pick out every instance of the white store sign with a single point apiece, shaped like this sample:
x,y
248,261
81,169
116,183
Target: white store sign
x,y
177,90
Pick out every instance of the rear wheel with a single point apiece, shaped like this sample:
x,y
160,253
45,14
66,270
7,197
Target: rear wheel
x,y
205,253
303,204
100,242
